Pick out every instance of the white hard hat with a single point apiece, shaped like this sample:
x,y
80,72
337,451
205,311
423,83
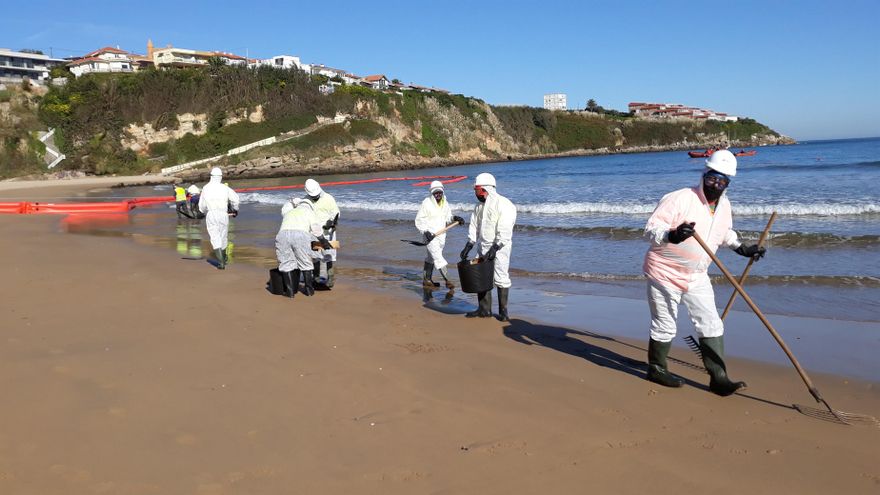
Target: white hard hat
x,y
436,185
313,188
193,189
287,208
722,161
216,172
485,179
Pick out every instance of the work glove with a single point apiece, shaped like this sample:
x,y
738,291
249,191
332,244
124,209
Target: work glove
x,y
428,236
458,219
681,232
329,225
325,244
234,213
751,251
466,250
490,254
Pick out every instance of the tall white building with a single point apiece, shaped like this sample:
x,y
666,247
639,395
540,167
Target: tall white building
x,y
555,101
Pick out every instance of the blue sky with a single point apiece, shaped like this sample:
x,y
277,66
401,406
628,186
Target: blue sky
x,y
809,69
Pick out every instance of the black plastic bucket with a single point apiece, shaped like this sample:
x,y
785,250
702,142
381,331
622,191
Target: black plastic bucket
x,y
478,277
276,285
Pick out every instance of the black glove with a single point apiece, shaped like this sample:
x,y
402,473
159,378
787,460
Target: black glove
x,y
681,232
325,244
490,254
428,236
466,250
752,251
234,213
329,225
458,219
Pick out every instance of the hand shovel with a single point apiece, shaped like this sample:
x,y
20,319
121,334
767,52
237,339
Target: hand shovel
x,y
441,231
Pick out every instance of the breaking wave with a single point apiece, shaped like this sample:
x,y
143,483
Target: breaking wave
x,y
596,208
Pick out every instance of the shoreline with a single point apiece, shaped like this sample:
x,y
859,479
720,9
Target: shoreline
x,y
181,378
332,167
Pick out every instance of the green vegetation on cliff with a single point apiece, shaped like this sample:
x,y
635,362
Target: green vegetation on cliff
x,y
21,151
206,112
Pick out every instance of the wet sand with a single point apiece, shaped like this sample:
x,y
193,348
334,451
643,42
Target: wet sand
x,y
127,369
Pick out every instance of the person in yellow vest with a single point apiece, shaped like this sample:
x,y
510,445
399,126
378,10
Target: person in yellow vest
x,y
327,213
180,200
293,246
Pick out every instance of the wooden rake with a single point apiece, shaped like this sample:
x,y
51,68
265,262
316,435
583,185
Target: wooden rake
x,y
831,414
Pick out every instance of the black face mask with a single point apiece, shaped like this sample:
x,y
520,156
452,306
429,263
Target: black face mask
x,y
481,199
714,189
438,197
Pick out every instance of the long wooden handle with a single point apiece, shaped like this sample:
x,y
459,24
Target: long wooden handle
x,y
444,229
760,315
745,275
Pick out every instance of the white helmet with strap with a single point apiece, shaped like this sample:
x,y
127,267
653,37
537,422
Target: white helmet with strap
x,y
722,161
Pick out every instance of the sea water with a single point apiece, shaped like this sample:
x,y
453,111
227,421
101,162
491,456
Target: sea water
x,y
580,222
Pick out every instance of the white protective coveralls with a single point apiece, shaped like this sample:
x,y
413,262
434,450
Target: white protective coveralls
x,y
492,223
326,209
433,216
678,272
293,244
213,203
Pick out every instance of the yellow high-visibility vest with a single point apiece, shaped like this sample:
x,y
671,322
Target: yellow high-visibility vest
x,y
179,194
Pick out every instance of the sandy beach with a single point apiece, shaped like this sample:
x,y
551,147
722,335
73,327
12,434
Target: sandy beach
x,y
128,370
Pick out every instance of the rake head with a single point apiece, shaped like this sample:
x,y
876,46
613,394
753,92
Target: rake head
x,y
838,417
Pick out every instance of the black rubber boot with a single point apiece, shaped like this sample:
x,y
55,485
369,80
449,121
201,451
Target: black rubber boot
x,y
225,255
485,306
308,283
712,349
503,293
427,278
317,270
331,274
657,370
288,283
221,259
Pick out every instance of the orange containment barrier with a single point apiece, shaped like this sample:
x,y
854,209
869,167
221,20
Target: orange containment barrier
x,y
30,207
18,207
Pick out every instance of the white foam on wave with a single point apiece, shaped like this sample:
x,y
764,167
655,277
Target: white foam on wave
x,y
808,209
575,208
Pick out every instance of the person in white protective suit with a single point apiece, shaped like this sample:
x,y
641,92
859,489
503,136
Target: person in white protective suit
x,y
676,268
327,213
435,214
491,230
293,246
216,201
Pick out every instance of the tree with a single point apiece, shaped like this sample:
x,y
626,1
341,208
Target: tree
x,y
32,50
592,106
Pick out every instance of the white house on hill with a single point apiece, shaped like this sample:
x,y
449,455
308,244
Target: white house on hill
x,y
281,62
107,59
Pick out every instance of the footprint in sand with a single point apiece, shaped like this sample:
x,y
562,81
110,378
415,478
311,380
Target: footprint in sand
x,y
186,439
69,473
118,412
426,348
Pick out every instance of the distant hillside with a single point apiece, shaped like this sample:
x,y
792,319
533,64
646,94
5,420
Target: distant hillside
x,y
133,123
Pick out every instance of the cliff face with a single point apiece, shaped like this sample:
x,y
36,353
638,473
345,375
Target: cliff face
x,y
441,135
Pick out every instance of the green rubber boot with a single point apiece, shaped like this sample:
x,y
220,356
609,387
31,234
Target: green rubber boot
x,y
712,349
657,370
485,306
331,274
221,259
503,293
